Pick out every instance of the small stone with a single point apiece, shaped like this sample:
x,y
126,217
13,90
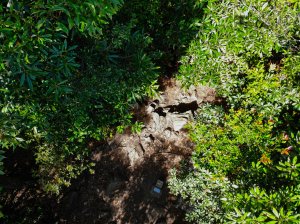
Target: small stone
x,y
179,121
149,109
133,156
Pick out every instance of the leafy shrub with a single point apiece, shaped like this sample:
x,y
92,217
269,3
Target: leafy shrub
x,y
71,81
169,23
243,44
259,162
246,50
35,38
204,191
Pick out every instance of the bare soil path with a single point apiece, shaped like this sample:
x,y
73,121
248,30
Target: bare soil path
x,y
128,166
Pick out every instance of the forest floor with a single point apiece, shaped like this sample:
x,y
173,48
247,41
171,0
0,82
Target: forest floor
x,y
127,168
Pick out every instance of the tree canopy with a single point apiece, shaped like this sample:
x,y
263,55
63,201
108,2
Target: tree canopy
x,y
71,72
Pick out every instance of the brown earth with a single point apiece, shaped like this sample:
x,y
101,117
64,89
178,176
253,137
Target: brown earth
x,y
127,168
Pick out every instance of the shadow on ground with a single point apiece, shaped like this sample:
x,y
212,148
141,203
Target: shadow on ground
x,y
116,193
127,168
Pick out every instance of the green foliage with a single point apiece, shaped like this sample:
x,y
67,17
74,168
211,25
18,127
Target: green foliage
x,y
258,206
243,44
249,51
66,79
1,173
169,23
259,162
137,127
204,191
70,73
35,36
39,65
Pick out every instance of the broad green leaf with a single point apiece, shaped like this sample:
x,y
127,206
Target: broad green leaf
x,y
62,27
275,212
22,79
60,8
29,82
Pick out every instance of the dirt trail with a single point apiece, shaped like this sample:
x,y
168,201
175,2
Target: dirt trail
x,y
128,166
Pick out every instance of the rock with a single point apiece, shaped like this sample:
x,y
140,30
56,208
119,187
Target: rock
x,y
179,121
167,133
150,108
166,116
133,156
155,121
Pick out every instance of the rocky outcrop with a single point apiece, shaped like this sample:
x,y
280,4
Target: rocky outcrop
x,y
163,119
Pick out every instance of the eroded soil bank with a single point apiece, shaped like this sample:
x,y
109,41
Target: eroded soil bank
x,y
127,168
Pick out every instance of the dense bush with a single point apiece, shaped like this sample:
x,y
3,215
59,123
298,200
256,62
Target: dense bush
x,y
248,147
68,79
168,22
70,72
